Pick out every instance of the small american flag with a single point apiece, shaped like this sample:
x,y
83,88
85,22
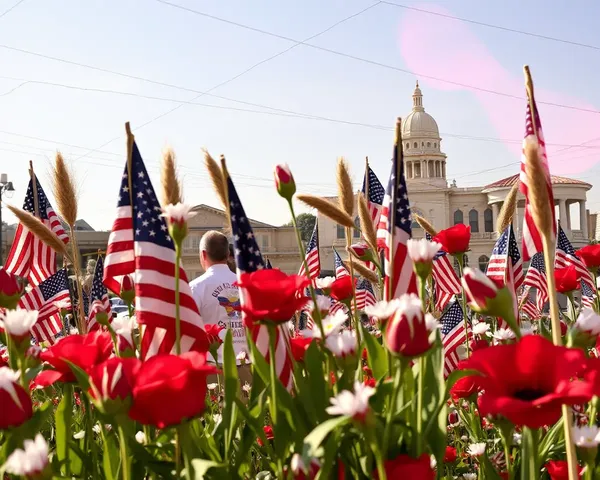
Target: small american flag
x,y
565,256
340,268
312,255
505,265
445,281
536,278
29,257
248,259
365,296
153,257
374,194
453,337
98,297
588,295
395,229
532,239
43,298
530,309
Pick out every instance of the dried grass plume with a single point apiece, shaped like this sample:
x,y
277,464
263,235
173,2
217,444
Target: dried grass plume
x,y
216,177
366,223
344,185
425,225
507,212
63,187
171,187
538,190
363,270
35,226
328,209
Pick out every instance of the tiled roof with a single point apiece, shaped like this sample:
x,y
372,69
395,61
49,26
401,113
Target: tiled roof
x,y
556,180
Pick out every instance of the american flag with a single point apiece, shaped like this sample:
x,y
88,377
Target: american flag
x,y
374,194
445,281
312,255
565,256
536,278
86,302
249,259
532,239
153,257
395,229
29,257
98,298
588,295
505,265
365,296
531,310
43,298
340,268
453,337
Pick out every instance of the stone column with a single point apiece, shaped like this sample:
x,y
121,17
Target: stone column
x,y
583,221
562,207
495,212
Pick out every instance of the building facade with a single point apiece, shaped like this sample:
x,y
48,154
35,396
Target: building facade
x,y
444,204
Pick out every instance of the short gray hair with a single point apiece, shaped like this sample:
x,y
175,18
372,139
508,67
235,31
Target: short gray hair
x,y
216,246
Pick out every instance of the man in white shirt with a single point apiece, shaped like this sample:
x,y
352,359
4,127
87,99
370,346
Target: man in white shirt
x,y
218,298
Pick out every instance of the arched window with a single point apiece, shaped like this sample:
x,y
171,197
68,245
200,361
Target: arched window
x,y
417,170
428,144
415,144
474,220
356,231
340,232
407,145
465,263
483,261
434,144
458,217
488,220
422,144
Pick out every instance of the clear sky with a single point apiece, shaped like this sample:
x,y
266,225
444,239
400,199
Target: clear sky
x,y
481,131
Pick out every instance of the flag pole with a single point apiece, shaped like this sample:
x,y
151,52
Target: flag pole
x,y
36,207
549,246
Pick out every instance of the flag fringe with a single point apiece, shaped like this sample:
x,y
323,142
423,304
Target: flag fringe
x,y
216,177
507,212
63,187
344,185
171,187
538,190
366,223
425,225
363,270
328,209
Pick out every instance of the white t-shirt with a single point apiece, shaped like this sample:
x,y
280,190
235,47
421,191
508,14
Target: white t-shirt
x,y
218,302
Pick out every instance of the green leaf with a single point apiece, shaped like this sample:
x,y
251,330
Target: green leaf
x,y
202,466
63,419
82,378
110,457
232,389
553,437
377,355
314,439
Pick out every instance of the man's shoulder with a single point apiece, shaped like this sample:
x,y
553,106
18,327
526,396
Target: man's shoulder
x,y
198,282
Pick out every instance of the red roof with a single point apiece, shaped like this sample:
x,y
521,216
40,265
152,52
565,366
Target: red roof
x,y
556,180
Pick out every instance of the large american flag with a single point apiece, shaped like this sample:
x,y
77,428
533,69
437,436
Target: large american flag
x,y
532,239
588,295
312,255
445,281
453,337
153,262
99,297
43,298
536,278
29,257
248,259
374,194
565,256
505,265
365,296
395,229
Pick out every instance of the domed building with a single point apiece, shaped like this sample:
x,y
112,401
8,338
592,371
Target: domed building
x,y
444,204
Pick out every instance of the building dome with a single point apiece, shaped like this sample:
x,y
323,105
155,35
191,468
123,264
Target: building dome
x,y
418,123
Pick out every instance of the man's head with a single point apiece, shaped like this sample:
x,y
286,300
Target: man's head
x,y
214,249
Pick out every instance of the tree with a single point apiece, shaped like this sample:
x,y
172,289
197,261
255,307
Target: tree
x,y
306,224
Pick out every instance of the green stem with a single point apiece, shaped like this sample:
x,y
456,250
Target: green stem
x,y
124,454
355,316
461,258
177,455
89,434
390,410
177,317
505,433
274,410
529,462
420,395
377,453
184,439
316,313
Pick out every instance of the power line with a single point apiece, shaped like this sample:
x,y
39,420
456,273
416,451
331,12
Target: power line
x,y
366,60
497,27
10,9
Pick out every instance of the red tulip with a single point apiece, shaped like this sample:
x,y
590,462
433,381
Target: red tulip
x,y
559,469
16,404
341,289
271,295
527,382
127,289
465,387
567,279
478,344
268,433
84,351
409,330
590,255
454,239
404,466
453,418
284,182
163,378
112,382
450,455
213,333
10,289
361,251
299,345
